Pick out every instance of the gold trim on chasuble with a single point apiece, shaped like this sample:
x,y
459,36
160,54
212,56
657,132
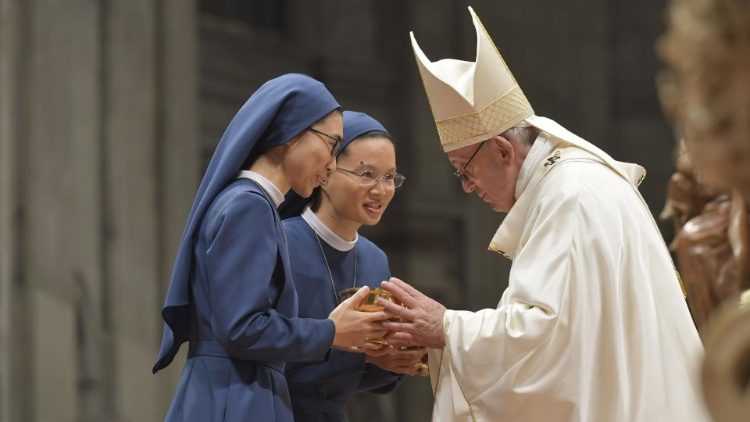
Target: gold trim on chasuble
x,y
682,285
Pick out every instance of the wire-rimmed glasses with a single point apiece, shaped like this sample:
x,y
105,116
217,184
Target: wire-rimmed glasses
x,y
337,141
461,174
368,177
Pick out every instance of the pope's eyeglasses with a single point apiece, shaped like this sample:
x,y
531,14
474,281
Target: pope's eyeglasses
x,y
461,174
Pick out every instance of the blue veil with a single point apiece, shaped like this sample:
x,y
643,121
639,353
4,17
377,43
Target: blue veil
x,y
356,124
276,113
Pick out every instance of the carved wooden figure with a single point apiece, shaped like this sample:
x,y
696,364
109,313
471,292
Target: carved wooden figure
x,y
706,92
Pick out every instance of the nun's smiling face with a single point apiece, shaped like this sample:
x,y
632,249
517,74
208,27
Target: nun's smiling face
x,y
354,199
308,161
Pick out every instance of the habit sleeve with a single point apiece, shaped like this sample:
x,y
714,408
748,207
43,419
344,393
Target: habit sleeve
x,y
244,272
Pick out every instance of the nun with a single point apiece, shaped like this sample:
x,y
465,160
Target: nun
x,y
328,255
232,295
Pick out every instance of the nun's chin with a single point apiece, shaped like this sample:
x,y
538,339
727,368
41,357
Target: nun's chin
x,y
304,191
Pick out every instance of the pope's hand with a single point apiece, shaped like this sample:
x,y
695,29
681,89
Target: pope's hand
x,y
421,317
354,328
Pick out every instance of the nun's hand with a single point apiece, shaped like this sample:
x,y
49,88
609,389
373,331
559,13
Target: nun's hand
x,y
354,328
418,321
399,360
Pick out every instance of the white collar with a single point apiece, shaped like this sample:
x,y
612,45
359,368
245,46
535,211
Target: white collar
x,y
505,240
539,150
264,183
325,233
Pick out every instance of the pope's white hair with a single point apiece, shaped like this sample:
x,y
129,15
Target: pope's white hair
x,y
523,135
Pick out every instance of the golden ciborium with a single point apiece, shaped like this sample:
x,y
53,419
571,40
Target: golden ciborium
x,y
370,304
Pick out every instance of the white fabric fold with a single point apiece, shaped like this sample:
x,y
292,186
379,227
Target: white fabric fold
x,y
536,155
593,325
276,196
325,233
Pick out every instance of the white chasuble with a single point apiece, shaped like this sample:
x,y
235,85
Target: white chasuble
x,y
593,325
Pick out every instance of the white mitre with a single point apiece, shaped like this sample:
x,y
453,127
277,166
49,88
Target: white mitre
x,y
474,101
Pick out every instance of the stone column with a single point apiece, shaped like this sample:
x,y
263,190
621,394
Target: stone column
x,y
98,154
14,369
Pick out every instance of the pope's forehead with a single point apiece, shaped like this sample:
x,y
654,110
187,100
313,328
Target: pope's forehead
x,y
463,153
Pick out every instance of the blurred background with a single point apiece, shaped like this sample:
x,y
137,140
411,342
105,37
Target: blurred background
x,y
110,110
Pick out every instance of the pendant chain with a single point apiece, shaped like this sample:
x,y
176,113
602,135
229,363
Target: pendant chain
x,y
330,275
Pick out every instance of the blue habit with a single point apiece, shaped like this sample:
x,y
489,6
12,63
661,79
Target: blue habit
x,y
244,313
231,295
320,390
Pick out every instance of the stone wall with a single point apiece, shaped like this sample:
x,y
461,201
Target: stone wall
x,y
98,106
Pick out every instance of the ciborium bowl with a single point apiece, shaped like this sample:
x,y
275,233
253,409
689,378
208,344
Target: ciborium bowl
x,y
370,302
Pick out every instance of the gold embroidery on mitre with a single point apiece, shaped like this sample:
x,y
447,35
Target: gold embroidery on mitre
x,y
493,119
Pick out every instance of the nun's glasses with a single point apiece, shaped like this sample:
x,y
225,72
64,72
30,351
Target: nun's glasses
x,y
368,178
337,141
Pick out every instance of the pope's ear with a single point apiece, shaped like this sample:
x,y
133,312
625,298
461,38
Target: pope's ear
x,y
504,147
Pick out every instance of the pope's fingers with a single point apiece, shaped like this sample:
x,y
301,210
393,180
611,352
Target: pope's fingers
x,y
388,306
400,338
405,327
406,287
400,294
395,310
394,326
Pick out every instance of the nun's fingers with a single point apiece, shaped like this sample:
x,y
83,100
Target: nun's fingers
x,y
401,338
